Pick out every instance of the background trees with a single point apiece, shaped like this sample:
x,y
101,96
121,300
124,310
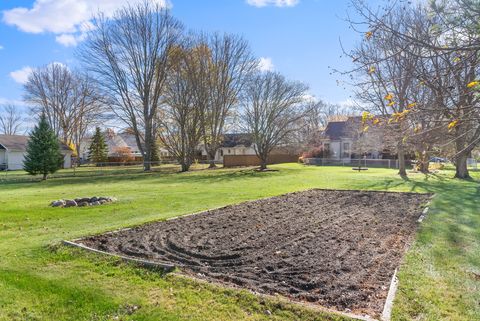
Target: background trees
x,y
417,66
272,107
227,63
10,120
129,57
69,100
180,118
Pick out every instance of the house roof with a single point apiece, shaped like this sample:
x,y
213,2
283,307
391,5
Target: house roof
x,y
130,140
335,130
232,140
18,143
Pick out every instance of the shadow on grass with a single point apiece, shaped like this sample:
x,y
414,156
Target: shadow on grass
x,y
169,175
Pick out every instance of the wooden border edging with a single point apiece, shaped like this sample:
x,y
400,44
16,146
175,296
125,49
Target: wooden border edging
x,y
387,308
284,299
167,267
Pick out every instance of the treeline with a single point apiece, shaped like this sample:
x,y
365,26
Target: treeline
x,y
416,75
143,69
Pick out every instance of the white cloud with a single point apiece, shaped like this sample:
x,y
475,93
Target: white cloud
x,y
276,3
265,64
69,19
21,75
1,47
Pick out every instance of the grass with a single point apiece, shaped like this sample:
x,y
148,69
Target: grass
x,y
41,280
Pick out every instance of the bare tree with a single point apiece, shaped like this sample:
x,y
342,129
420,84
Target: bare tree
x,y
317,118
10,120
444,40
227,64
272,107
386,77
68,99
129,57
180,118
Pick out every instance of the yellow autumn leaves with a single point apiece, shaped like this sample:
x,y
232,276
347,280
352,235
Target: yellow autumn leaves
x,y
473,84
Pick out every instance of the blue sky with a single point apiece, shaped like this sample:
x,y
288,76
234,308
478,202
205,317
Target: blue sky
x,y
299,38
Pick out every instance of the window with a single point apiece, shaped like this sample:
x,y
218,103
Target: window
x,y
221,152
346,150
326,146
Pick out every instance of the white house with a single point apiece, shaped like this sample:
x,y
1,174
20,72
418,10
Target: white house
x,y
233,144
13,149
342,138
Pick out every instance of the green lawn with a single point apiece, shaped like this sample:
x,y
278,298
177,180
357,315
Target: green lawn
x,y
41,280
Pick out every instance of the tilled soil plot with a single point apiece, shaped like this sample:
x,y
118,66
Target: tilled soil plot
x,y
338,249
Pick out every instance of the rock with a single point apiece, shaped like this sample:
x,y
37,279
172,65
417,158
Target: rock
x,y
268,312
70,203
59,203
84,201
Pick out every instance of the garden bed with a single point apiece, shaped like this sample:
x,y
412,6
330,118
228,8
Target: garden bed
x,y
338,249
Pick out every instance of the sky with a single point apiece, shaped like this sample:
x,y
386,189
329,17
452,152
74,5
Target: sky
x,y
298,38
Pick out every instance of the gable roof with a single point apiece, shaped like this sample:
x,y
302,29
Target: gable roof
x,y
232,140
18,143
335,130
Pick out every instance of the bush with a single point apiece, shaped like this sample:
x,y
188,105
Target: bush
x,y
317,152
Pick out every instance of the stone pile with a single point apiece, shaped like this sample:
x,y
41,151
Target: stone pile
x,y
85,201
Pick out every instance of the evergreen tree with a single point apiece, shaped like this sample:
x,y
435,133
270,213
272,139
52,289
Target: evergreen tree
x,y
98,151
43,151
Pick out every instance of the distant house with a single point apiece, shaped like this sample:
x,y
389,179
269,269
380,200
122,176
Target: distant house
x,y
344,138
116,142
233,144
13,149
242,147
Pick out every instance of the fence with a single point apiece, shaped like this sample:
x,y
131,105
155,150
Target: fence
x,y
253,160
94,170
384,163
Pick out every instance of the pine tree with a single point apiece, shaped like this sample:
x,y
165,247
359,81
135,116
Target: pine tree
x,y
98,151
43,151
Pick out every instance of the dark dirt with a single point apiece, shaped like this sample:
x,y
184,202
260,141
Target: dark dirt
x,y
338,249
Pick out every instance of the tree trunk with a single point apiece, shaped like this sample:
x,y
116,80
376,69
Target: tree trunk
x,y
263,165
211,159
461,169
423,162
148,149
402,171
44,178
185,167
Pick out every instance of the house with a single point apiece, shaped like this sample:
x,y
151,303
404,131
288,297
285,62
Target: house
x,y
232,144
14,147
239,148
343,138
118,142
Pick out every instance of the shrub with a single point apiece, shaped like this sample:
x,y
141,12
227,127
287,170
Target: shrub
x,y
317,152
